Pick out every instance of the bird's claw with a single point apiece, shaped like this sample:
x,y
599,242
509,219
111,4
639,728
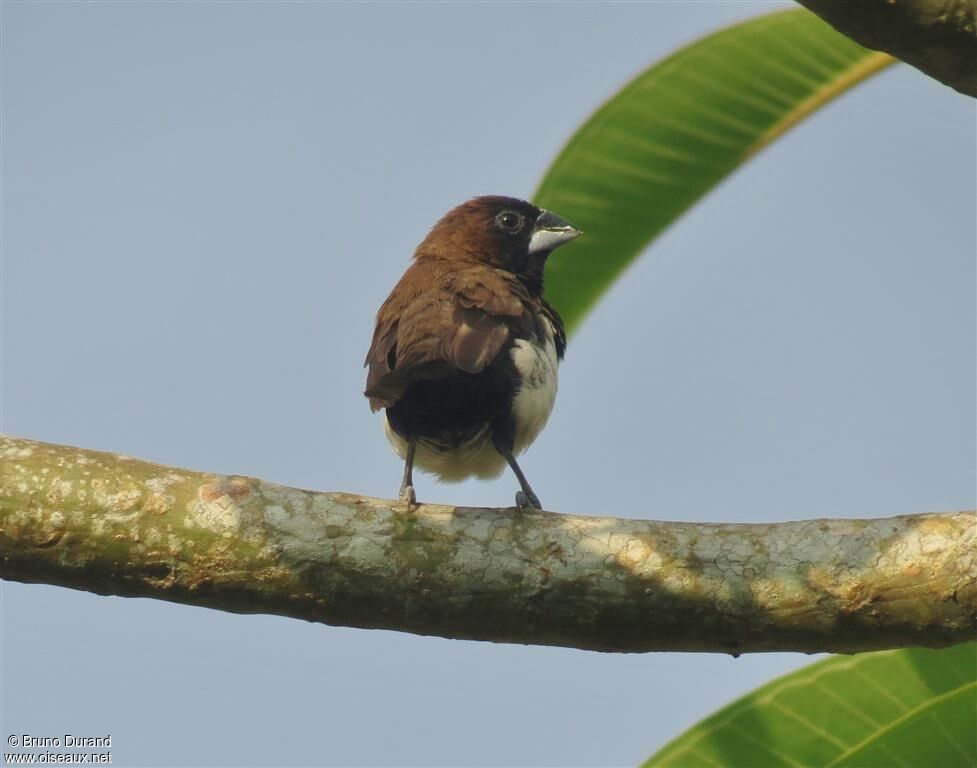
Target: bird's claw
x,y
408,497
528,501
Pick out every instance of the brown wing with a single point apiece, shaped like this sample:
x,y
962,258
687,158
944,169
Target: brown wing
x,y
437,322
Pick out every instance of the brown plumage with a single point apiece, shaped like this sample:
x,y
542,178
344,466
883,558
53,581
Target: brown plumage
x,y
465,350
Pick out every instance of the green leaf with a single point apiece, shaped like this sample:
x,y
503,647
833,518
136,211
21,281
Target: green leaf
x,y
677,130
913,707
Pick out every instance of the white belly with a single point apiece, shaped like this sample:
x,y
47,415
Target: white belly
x,y
452,464
537,365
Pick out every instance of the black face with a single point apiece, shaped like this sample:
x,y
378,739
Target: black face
x,y
501,232
511,226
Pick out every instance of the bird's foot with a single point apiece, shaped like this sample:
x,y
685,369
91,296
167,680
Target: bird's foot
x,y
408,497
528,501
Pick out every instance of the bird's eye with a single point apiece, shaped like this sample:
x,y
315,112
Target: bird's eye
x,y
509,221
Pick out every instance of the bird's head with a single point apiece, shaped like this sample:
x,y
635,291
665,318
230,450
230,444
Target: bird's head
x,y
502,232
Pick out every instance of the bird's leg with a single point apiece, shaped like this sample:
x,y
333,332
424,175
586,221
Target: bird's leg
x,y
407,484
526,498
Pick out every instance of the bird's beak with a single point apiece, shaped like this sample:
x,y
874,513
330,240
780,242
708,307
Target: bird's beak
x,y
551,232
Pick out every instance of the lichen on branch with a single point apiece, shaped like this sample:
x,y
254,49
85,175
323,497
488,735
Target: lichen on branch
x,y
115,525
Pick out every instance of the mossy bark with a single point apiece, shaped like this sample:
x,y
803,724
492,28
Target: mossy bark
x,y
938,37
115,525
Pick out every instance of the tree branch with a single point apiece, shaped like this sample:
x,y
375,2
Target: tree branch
x,y
115,525
938,37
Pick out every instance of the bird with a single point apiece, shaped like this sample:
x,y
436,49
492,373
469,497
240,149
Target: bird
x,y
465,350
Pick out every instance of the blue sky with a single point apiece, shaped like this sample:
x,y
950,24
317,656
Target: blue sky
x,y
203,205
